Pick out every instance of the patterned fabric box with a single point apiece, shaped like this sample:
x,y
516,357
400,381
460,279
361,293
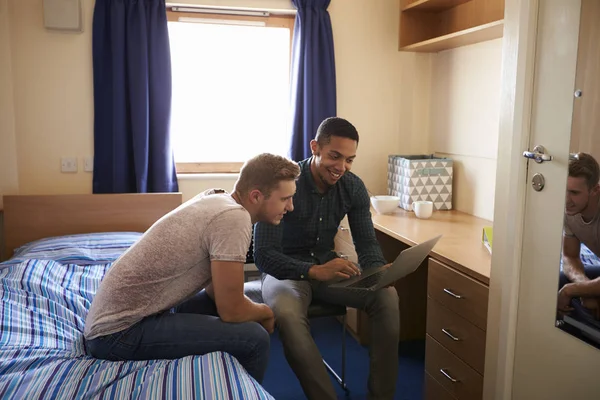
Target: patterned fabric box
x,y
420,177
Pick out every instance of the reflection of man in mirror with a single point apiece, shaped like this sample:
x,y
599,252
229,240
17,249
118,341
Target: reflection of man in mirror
x,y
582,225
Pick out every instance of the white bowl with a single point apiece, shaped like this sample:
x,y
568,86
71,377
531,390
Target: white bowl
x,y
423,209
385,204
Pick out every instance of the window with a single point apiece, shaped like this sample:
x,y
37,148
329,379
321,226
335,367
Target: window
x,y
230,89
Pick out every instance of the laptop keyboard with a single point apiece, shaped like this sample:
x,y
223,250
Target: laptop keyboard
x,y
368,281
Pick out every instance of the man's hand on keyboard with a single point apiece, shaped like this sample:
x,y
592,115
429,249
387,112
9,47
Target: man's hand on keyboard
x,y
336,268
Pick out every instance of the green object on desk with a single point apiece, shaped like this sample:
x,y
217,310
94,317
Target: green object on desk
x,y
487,237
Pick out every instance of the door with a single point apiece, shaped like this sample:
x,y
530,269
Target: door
x,y
527,357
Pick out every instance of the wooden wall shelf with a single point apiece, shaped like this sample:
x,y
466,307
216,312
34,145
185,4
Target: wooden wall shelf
x,y
493,30
436,25
433,5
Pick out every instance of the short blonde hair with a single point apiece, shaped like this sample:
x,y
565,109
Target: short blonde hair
x,y
264,172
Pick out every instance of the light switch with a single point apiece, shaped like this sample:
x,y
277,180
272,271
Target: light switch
x,y
88,164
68,164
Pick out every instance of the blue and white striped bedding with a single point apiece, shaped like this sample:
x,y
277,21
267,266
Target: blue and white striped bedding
x,y
42,351
588,258
82,249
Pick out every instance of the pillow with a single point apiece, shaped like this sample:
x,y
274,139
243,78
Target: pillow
x,y
81,249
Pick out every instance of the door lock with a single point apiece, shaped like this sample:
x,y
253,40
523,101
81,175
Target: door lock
x,y
538,182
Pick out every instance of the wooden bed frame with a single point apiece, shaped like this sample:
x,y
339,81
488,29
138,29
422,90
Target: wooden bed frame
x,y
33,217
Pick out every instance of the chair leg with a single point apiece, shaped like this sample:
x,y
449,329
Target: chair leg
x,y
344,353
342,380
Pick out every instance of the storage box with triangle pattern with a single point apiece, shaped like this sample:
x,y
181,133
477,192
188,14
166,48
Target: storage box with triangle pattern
x,y
420,177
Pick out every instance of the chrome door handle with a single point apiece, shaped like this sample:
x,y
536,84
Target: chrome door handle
x,y
538,154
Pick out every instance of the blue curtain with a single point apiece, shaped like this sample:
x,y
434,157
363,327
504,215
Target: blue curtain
x,y
132,98
313,74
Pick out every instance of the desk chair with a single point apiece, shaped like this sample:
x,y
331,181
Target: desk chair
x,y
316,309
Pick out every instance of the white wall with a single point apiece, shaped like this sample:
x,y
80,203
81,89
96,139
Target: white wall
x,y
53,98
465,106
191,185
9,183
385,93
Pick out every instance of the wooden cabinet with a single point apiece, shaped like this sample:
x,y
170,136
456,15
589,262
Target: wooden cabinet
x,y
434,391
436,25
444,302
450,292
411,289
356,320
455,340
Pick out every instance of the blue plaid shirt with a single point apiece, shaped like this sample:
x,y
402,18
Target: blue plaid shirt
x,y
305,236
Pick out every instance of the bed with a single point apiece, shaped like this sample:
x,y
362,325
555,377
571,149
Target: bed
x,y
58,250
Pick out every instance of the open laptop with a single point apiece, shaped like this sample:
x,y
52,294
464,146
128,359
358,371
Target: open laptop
x,y
581,319
406,263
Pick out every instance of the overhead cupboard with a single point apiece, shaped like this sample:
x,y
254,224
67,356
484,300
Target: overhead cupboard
x,y
434,25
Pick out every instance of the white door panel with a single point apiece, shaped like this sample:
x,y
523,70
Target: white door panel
x,y
548,363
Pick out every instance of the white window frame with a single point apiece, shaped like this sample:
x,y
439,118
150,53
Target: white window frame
x,y
269,21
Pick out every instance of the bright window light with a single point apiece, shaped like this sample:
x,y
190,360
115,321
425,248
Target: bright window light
x,y
230,91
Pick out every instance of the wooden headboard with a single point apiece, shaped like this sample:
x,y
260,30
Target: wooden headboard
x,y
28,218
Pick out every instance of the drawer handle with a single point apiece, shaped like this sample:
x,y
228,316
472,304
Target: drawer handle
x,y
450,335
447,375
456,296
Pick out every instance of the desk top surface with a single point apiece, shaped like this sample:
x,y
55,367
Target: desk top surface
x,y
460,246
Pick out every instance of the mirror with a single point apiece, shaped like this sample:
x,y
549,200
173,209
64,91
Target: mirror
x,y
578,302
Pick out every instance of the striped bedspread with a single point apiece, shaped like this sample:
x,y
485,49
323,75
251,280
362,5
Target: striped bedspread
x,y
42,351
82,249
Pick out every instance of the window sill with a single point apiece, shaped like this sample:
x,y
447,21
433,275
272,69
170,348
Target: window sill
x,y
207,177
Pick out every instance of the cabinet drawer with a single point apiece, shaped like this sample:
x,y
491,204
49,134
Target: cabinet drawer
x,y
462,381
461,294
344,231
352,319
457,334
345,248
435,391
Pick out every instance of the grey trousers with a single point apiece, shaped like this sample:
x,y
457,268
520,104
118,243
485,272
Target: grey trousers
x,y
289,301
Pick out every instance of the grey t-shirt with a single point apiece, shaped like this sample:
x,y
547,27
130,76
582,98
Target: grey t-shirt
x,y
588,233
170,262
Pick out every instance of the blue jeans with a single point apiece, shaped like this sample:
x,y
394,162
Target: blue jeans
x,y
192,328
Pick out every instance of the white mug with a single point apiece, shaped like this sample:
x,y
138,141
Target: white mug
x,y
423,209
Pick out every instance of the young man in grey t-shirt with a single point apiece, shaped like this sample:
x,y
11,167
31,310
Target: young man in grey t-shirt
x,y
179,290
582,225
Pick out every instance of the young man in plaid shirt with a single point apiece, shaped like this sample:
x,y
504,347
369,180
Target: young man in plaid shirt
x,y
297,260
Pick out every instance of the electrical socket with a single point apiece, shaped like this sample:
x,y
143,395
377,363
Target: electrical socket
x,y
68,164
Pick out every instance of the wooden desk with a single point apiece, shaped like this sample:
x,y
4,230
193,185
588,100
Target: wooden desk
x,y
460,246
444,301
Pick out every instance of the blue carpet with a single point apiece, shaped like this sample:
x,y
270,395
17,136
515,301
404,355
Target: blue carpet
x,y
282,384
